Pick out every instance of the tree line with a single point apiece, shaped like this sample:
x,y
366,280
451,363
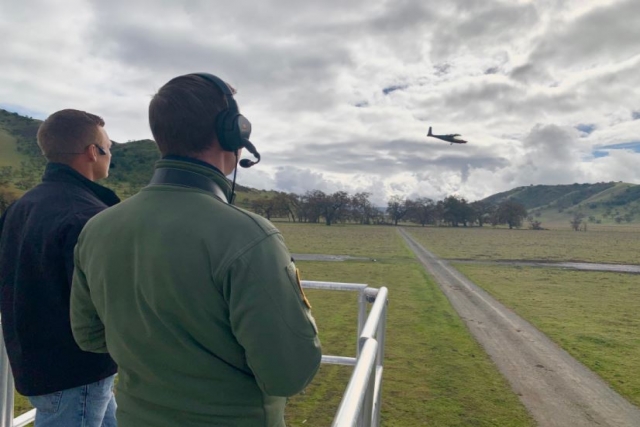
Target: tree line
x,y
340,207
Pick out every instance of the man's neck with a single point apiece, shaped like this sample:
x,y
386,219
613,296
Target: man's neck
x,y
215,156
83,168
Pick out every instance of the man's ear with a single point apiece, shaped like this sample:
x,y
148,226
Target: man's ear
x,y
92,153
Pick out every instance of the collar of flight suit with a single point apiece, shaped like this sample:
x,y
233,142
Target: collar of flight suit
x,y
200,168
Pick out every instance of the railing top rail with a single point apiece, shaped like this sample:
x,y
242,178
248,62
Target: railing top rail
x,y
354,395
335,286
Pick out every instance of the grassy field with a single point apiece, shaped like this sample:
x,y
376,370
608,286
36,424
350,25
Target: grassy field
x,y
435,373
594,316
615,245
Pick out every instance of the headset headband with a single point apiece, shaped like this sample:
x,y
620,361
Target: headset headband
x,y
231,102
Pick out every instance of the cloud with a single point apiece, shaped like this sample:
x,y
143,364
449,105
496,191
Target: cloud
x,y
340,94
601,35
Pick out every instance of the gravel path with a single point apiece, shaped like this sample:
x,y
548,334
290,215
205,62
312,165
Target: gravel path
x,y
556,389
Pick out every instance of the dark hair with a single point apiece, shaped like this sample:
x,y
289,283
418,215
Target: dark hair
x,y
182,115
67,132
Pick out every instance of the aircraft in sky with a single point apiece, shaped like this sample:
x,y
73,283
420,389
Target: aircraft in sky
x,y
452,137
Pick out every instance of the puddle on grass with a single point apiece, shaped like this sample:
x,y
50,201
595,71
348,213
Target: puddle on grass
x,y
584,266
321,257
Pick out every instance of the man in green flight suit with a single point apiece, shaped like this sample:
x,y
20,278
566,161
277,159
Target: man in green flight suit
x,y
197,301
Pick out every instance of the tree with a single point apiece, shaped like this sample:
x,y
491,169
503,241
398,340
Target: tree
x,y
287,204
457,211
332,208
312,204
534,224
362,210
482,211
336,207
421,211
397,208
512,213
264,207
576,221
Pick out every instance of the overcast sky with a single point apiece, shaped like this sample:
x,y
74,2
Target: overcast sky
x,y
341,93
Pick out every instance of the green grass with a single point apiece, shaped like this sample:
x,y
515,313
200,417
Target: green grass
x,y
9,155
21,405
612,246
594,316
435,372
356,240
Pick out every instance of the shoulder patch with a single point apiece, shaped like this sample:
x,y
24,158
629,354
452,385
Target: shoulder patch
x,y
304,297
294,276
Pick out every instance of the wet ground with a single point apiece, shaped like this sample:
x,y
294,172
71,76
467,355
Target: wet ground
x,y
585,266
321,257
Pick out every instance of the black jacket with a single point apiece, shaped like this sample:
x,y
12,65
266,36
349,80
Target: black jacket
x,y
37,236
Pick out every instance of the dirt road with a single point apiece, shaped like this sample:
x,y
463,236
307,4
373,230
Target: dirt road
x,y
556,389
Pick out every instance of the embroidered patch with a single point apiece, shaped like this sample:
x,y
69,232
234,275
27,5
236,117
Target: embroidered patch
x,y
304,297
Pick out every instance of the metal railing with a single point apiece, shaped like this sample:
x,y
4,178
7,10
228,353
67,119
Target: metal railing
x,y
361,402
360,405
7,393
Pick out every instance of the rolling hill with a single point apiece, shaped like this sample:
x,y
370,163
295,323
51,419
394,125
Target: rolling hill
x,y
21,166
600,203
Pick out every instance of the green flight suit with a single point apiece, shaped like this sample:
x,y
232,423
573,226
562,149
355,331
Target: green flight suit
x,y
198,303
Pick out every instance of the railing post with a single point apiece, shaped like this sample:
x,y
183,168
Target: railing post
x,y
366,414
381,335
6,386
354,400
362,317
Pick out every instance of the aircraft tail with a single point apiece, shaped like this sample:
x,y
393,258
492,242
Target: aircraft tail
x,y
429,134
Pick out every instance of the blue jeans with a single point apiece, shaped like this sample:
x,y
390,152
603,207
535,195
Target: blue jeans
x,y
91,405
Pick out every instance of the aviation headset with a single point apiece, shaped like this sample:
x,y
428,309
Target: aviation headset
x,y
232,128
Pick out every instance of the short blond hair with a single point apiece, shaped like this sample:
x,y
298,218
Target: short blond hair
x,y
68,132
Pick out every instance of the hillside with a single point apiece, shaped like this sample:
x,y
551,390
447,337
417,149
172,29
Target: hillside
x,y
22,164
601,203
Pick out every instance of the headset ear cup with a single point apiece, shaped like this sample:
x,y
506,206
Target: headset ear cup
x,y
224,131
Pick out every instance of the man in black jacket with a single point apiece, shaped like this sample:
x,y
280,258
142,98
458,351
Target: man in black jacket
x,y
67,386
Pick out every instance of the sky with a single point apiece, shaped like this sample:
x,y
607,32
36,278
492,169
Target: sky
x,y
341,94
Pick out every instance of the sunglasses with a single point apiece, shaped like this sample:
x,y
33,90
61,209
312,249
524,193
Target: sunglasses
x,y
100,150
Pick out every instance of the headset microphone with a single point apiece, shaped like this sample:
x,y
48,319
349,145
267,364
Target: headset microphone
x,y
246,163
